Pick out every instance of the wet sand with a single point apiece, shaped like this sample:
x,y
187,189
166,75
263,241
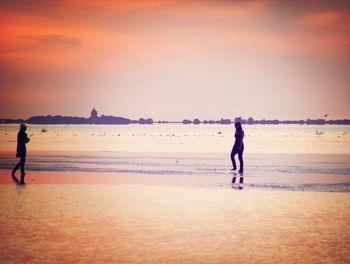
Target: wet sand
x,y
62,177
68,223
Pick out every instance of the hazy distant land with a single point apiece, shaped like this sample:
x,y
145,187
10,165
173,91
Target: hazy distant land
x,y
116,120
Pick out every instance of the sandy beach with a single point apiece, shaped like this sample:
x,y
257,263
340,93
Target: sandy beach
x,y
60,223
96,205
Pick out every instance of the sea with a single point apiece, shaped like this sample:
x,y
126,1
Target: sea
x,y
288,157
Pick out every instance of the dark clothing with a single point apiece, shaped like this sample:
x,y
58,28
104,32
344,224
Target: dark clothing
x,y
21,164
240,179
238,148
239,135
22,140
240,157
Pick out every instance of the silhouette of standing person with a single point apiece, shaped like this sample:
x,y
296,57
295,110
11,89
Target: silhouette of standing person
x,y
22,140
238,148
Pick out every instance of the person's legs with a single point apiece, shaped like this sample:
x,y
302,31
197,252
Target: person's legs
x,y
240,186
22,161
234,179
240,157
233,153
15,169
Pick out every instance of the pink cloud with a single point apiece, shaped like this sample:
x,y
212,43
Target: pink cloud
x,y
326,19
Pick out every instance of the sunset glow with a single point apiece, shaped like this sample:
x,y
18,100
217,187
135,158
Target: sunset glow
x,y
175,59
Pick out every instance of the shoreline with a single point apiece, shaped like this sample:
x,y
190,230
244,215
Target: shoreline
x,y
206,182
317,172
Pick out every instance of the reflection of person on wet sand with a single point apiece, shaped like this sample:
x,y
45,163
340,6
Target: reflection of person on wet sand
x,y
238,148
22,140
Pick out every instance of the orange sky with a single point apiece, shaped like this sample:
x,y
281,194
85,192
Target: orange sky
x,y
175,59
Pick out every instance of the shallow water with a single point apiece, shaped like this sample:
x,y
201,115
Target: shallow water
x,y
171,138
317,172
290,157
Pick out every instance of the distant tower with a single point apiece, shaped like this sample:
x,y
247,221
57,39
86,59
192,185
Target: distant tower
x,y
93,114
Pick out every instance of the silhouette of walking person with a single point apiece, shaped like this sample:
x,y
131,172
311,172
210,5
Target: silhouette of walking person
x,y
238,148
22,140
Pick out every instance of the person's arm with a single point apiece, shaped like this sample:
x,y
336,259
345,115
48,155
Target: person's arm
x,y
27,139
240,138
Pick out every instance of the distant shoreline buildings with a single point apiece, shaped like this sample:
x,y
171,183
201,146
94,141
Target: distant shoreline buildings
x,y
93,119
115,120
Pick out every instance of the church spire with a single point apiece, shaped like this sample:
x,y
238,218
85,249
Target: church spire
x,y
93,114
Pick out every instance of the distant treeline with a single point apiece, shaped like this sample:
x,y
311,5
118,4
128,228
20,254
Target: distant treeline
x,y
78,120
149,121
251,121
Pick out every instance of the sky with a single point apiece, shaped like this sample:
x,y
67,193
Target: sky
x,y
171,60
